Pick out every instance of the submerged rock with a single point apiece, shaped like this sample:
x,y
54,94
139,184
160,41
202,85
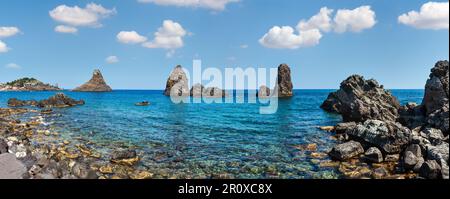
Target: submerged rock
x,y
346,150
284,82
125,157
359,100
95,84
177,83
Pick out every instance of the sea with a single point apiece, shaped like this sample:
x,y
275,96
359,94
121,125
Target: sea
x,y
205,140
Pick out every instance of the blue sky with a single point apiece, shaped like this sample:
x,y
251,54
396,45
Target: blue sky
x,y
398,55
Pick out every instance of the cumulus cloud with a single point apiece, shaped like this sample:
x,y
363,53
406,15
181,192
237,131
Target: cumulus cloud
x,y
112,59
3,47
285,37
66,29
321,21
169,36
75,16
309,32
130,37
13,66
432,15
8,31
355,20
217,5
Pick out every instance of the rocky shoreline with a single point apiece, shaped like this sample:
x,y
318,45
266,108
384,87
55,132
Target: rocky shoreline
x,y
378,139
386,139
31,150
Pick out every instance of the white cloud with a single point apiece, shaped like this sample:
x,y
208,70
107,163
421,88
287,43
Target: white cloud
x,y
169,36
130,37
432,15
66,29
321,21
13,66
244,46
8,31
76,16
308,32
208,4
285,37
3,47
355,20
112,59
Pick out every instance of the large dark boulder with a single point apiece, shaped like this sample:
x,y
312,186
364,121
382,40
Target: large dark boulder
x,y
388,136
436,99
346,150
359,100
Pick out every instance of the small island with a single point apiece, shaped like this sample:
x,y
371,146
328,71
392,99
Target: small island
x,y
27,84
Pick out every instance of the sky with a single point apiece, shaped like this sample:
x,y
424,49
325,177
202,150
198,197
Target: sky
x,y
137,43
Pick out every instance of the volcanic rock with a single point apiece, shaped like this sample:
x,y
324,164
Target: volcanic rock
x,y
284,82
346,150
197,90
263,92
388,136
177,83
359,100
436,99
95,84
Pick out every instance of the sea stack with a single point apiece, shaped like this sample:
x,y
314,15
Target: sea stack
x,y
177,83
95,84
284,81
359,100
263,92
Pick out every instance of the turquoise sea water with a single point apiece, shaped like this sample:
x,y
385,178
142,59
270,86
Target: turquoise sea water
x,y
203,140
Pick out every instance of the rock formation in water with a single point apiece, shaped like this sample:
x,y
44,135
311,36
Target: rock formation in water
x,y
435,101
284,82
95,84
414,136
197,90
177,83
359,100
60,100
214,92
263,92
27,84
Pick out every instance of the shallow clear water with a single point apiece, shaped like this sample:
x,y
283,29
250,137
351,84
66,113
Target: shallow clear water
x,y
200,140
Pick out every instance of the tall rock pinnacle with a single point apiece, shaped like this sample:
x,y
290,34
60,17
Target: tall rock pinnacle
x,y
95,84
